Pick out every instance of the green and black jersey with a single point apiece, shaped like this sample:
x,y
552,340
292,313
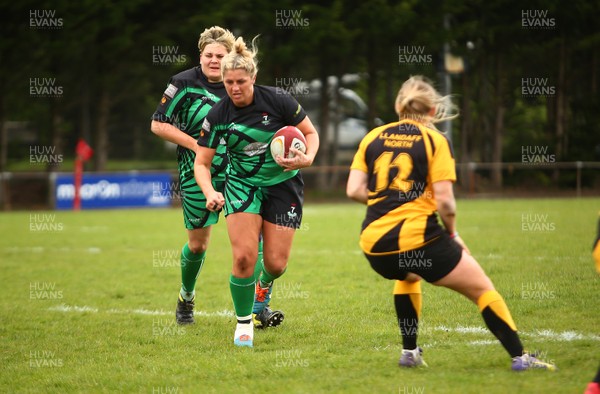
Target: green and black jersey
x,y
186,101
248,131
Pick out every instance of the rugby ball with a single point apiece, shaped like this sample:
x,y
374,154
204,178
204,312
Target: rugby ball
x,y
285,138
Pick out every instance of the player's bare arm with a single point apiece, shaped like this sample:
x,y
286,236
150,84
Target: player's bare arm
x,y
204,157
170,133
446,204
446,207
356,188
302,160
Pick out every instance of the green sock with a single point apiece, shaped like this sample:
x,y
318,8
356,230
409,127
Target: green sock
x,y
259,261
267,278
191,265
242,293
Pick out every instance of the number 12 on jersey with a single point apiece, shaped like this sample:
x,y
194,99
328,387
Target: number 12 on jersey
x,y
382,165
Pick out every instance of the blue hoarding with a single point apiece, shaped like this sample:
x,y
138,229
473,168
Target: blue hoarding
x,y
115,190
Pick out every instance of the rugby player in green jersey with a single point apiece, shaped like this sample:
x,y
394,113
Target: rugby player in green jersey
x,y
261,195
178,119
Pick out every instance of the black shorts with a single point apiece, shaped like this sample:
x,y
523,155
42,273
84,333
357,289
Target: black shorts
x,y
283,202
431,262
280,204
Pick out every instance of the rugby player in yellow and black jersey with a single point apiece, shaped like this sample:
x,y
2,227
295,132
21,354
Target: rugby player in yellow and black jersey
x,y
403,172
596,248
405,159
593,387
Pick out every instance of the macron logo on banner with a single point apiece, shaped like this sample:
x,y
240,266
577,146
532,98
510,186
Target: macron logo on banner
x,y
113,190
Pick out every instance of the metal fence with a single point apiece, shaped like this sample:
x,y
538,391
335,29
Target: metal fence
x,y
36,190
574,176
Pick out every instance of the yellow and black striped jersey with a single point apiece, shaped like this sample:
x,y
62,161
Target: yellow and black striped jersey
x,y
403,160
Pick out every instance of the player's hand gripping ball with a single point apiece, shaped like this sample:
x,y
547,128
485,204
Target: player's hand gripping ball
x,y
285,138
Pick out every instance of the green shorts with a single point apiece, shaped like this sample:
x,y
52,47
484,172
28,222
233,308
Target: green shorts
x,y
193,201
280,204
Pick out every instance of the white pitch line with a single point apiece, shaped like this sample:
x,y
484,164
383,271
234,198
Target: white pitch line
x,y
546,334
564,336
483,342
549,335
43,249
139,311
463,329
75,308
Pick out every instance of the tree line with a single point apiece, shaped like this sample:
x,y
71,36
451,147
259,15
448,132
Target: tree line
x,y
522,75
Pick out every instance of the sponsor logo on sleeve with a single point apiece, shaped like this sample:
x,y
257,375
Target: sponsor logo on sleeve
x,y
206,125
171,90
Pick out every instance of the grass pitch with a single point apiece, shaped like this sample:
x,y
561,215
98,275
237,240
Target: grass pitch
x,y
88,306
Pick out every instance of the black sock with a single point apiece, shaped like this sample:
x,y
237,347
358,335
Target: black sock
x,y
507,337
408,320
597,377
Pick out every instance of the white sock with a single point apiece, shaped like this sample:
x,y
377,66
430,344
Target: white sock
x,y
244,329
244,319
187,296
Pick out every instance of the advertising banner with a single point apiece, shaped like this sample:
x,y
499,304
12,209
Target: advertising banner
x,y
120,190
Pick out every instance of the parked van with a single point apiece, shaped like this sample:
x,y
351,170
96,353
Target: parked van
x,y
347,113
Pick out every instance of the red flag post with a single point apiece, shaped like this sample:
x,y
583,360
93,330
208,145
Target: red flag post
x,y
83,153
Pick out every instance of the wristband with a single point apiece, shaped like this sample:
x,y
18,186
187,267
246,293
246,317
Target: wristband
x,y
454,235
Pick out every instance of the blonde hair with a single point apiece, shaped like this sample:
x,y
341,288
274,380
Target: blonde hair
x,y
417,97
216,35
241,57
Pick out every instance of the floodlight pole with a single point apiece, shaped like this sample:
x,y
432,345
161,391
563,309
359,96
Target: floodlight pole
x,y
446,80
